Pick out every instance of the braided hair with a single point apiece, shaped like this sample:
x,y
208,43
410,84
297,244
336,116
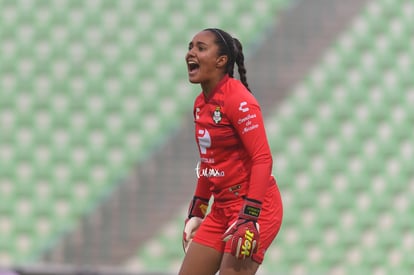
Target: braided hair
x,y
232,48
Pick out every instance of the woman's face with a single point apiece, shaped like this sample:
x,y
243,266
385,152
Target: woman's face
x,y
203,62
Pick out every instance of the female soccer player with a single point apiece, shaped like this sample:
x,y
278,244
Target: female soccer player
x,y
235,165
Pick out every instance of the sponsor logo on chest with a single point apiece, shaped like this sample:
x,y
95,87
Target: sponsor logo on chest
x,y
208,172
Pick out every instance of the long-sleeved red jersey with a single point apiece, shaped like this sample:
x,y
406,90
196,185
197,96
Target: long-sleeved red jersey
x,y
235,158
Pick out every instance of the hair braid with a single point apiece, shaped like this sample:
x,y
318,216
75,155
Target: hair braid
x,y
240,62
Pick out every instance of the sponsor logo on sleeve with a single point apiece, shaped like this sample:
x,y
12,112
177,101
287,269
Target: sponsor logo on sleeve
x,y
247,121
243,107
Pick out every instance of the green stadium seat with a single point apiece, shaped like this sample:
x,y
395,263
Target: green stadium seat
x,y
6,250
7,205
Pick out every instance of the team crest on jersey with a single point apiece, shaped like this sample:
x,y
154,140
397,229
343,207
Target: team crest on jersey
x,y
217,115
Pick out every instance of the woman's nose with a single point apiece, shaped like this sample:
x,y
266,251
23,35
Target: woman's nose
x,y
189,54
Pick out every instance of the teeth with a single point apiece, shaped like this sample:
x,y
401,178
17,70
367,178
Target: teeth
x,y
192,63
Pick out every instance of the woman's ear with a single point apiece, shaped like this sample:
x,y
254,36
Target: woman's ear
x,y
221,61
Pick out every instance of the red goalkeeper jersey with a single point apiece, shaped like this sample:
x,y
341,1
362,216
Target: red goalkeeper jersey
x,y
235,158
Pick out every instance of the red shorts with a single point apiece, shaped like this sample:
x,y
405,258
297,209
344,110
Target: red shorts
x,y
223,214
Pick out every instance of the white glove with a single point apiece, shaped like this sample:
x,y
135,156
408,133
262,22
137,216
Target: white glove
x,y
191,226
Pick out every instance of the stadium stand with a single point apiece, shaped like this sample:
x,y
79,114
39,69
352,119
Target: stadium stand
x,y
71,122
343,151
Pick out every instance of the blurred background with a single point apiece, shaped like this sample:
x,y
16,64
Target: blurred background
x,y
97,154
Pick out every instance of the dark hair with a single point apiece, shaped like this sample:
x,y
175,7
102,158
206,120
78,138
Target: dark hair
x,y
231,47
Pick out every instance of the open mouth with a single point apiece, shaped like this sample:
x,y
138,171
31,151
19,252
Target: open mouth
x,y
192,66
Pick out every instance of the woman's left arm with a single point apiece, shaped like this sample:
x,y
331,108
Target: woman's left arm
x,y
246,116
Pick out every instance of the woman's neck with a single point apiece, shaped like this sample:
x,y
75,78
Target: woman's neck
x,y
208,86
